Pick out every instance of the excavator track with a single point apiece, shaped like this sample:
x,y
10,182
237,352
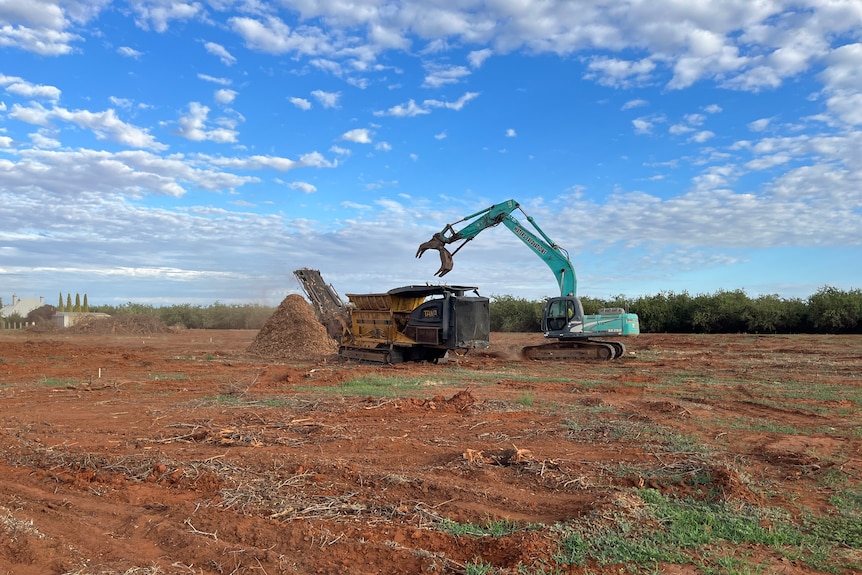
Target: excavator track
x,y
580,349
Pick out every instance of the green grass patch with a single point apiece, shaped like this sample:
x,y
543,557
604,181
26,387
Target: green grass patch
x,y
167,376
652,435
231,400
491,528
526,399
479,567
381,386
461,375
57,382
714,535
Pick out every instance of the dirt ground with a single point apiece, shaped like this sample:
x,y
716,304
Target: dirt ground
x,y
179,453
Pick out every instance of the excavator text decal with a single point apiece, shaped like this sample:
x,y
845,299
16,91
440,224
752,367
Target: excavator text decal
x,y
533,243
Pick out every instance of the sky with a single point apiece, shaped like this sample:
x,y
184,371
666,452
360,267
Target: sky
x,y
169,151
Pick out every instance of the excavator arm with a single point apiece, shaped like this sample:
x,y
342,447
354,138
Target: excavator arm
x,y
563,317
553,255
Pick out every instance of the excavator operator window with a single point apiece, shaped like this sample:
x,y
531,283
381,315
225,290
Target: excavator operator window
x,y
560,311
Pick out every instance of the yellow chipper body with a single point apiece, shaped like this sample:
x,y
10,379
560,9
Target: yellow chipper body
x,y
411,323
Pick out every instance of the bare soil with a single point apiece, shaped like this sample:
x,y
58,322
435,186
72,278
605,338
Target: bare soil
x,y
182,452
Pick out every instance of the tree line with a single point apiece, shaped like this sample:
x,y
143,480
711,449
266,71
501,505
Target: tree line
x,y
216,316
830,310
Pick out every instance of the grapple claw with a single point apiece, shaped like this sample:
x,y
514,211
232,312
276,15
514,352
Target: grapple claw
x,y
435,243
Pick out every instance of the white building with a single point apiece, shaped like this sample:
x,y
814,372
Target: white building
x,y
21,306
70,318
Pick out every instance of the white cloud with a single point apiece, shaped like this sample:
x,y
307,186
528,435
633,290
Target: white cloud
x,y
441,75
695,119
619,73
411,108
215,80
309,160
129,52
220,52
193,126
678,129
702,136
636,103
105,125
273,36
407,110
121,102
358,136
354,205
759,125
440,136
326,99
339,150
642,126
43,141
510,133
478,57
157,15
225,96
20,87
300,103
843,83
383,146
303,187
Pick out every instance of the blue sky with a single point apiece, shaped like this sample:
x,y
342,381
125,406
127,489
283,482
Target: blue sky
x,y
165,151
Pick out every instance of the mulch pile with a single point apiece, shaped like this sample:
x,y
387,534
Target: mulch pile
x,y
293,333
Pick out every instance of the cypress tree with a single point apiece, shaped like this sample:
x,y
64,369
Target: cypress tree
x,y
86,305
60,303
77,302
68,302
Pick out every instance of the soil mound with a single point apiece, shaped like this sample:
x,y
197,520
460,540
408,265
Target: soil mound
x,y
293,333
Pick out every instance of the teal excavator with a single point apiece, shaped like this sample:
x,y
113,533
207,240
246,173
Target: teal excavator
x,y
563,317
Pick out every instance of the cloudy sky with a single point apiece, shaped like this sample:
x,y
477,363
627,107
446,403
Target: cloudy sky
x,y
168,151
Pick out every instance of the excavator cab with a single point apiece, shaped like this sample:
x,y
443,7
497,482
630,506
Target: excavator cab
x,y
559,312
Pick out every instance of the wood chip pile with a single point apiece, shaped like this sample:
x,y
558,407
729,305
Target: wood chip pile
x,y
293,333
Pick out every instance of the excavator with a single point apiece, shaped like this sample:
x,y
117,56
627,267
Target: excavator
x,y
563,317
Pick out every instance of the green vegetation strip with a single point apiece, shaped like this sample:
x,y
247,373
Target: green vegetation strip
x,y
686,531
57,382
388,386
718,537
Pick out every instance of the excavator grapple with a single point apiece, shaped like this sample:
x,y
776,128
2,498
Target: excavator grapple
x,y
436,243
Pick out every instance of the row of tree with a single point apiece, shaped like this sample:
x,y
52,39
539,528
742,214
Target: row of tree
x,y
215,316
78,307
830,310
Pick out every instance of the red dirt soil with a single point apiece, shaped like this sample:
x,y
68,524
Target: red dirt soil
x,y
184,453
